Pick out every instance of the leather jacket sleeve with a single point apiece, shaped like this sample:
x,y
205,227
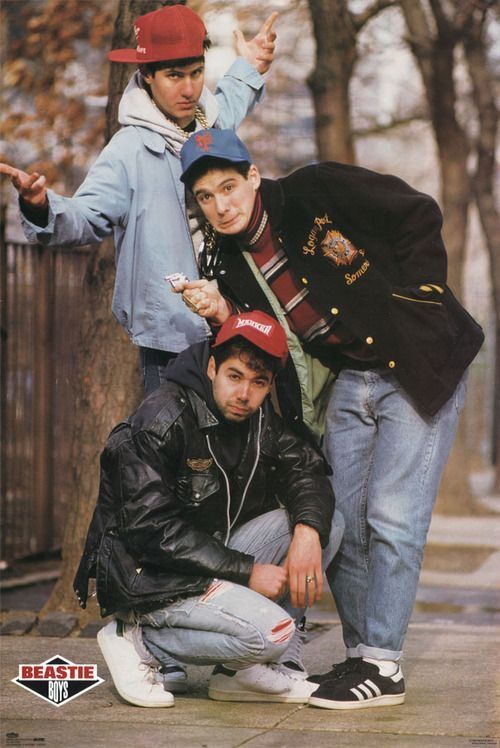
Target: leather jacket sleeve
x,y
303,485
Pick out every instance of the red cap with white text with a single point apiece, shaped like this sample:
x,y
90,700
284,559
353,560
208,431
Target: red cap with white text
x,y
170,33
258,328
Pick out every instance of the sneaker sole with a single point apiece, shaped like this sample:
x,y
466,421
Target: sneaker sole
x,y
387,700
146,704
218,695
108,655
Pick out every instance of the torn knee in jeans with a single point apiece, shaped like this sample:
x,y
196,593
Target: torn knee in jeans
x,y
217,587
282,632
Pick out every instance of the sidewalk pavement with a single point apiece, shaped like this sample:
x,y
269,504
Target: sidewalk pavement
x,y
450,702
468,534
450,667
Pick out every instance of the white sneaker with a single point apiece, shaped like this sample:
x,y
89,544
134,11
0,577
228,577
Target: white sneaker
x,y
262,682
132,676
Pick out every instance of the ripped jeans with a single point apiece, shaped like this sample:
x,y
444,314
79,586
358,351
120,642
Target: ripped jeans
x,y
230,623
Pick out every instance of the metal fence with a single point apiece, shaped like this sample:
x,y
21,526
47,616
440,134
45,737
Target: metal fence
x,y
40,301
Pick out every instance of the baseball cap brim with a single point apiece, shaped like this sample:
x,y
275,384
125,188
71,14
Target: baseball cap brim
x,y
126,55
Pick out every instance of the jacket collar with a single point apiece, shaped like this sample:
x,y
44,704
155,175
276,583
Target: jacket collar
x,y
204,416
206,419
152,140
273,199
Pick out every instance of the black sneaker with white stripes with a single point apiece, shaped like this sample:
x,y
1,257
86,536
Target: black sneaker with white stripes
x,y
337,671
360,687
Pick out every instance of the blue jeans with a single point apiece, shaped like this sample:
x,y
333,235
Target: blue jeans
x,y
230,623
387,461
154,366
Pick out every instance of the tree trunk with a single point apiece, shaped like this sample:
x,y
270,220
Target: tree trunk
x,y
434,55
484,190
123,36
109,385
336,30
336,54
107,390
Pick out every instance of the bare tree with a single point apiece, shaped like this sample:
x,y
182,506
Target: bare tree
x,y
433,39
435,31
483,181
336,31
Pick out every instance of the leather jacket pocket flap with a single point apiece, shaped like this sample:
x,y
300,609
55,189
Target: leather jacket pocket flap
x,y
194,488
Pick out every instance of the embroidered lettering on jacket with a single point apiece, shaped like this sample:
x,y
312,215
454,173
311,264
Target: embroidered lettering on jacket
x,y
338,249
199,464
353,277
310,247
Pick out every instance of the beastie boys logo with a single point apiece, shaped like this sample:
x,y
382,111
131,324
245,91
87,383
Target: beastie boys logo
x,y
57,680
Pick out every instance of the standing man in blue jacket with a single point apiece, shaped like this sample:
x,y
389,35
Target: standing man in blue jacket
x,y
133,189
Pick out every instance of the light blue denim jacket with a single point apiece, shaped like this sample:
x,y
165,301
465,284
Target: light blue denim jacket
x,y
134,190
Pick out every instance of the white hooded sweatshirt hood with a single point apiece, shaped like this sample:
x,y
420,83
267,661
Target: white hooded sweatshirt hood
x,y
137,108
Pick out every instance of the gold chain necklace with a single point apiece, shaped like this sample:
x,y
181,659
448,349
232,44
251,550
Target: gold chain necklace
x,y
198,115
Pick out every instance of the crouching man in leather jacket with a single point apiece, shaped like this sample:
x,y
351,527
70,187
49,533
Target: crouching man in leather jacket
x,y
209,514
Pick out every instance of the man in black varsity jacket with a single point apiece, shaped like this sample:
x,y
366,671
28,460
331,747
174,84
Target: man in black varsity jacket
x,y
353,265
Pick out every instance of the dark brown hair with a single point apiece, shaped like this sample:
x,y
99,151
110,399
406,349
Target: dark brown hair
x,y
207,163
255,358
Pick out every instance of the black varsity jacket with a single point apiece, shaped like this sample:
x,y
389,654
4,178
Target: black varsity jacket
x,y
369,249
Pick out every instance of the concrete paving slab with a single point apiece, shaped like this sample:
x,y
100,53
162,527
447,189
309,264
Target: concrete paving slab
x,y
93,735
449,670
289,739
451,675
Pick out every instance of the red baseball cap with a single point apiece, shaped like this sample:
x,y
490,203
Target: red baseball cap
x,y
258,328
170,33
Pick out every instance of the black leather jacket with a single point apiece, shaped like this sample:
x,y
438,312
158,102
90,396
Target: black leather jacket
x,y
159,527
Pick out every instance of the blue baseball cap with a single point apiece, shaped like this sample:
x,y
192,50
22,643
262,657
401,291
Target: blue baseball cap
x,y
212,143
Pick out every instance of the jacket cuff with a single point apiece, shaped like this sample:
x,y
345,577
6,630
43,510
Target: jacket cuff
x,y
244,71
30,219
319,526
37,216
242,574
